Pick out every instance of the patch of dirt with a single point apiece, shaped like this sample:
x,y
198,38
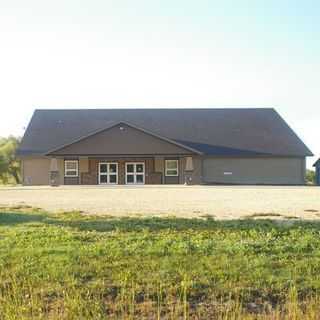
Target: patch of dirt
x,y
264,215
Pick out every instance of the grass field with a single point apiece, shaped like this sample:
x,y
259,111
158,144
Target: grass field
x,y
70,266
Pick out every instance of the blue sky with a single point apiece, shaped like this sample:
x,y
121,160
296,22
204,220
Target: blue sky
x,y
100,53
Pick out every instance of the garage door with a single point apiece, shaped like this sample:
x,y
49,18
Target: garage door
x,y
254,170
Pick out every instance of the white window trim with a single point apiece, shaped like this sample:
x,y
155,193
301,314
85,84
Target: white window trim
x,y
108,174
135,173
166,168
66,170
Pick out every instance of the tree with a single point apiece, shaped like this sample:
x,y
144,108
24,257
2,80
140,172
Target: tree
x,y
9,164
311,177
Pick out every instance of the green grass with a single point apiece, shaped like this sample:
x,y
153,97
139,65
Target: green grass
x,y
70,266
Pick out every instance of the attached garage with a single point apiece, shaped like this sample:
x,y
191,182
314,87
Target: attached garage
x,y
280,171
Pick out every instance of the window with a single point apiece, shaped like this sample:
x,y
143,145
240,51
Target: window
x,y
135,173
172,168
108,173
71,168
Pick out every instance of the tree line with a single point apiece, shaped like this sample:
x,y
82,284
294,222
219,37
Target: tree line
x,y
9,164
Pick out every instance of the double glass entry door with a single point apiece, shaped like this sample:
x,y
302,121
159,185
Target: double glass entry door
x,y
108,173
135,173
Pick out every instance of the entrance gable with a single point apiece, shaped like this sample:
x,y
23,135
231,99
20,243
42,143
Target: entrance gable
x,y
121,139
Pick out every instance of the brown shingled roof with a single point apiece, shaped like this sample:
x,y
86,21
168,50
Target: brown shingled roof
x,y
210,131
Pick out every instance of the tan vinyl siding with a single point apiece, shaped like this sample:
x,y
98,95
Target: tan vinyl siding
x,y
159,164
197,170
83,168
195,174
83,165
61,170
36,171
289,171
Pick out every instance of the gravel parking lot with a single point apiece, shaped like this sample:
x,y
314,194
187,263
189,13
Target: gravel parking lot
x,y
222,202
